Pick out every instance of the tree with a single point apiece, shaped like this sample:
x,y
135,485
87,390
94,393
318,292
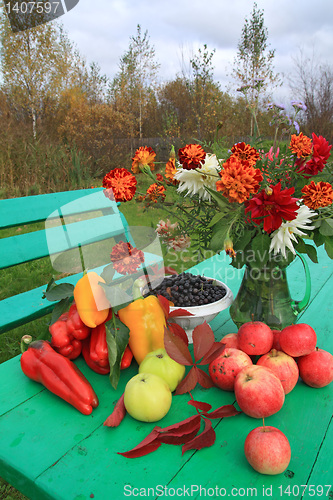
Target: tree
x,y
36,65
205,92
312,83
135,84
253,65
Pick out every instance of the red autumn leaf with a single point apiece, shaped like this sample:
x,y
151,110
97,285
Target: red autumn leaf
x,y
213,353
223,411
203,339
179,312
119,412
178,330
203,378
200,405
169,270
164,303
177,349
181,432
203,440
188,383
148,445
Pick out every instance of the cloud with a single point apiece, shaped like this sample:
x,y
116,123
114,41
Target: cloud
x,y
177,28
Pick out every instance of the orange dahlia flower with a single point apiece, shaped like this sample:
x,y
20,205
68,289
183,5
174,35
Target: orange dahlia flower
x,y
301,145
245,152
238,180
317,195
143,156
191,156
120,184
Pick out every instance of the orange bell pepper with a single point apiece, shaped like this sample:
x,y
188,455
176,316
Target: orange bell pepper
x,y
91,302
145,319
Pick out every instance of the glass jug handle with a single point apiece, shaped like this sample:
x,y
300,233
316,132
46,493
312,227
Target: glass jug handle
x,y
298,306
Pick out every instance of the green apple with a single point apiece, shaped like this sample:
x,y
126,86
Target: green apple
x,y
160,363
147,397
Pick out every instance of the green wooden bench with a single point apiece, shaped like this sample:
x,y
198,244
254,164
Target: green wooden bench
x,y
74,223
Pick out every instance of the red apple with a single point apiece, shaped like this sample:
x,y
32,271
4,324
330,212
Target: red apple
x,y
226,366
259,393
255,337
298,340
267,450
276,340
316,368
230,340
283,366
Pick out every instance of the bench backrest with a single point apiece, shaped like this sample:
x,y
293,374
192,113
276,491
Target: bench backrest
x,y
73,225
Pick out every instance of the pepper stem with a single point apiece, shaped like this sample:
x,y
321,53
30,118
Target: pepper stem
x,y
25,342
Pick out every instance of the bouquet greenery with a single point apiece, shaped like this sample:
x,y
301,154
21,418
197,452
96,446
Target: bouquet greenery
x,y
256,205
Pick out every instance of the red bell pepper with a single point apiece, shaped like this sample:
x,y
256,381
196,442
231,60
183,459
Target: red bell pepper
x,y
67,333
126,360
40,362
102,370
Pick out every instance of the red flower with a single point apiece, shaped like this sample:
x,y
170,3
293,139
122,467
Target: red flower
x,y
120,185
154,192
317,195
125,258
245,152
191,156
320,154
272,206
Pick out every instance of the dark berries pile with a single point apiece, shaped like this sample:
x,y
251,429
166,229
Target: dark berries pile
x,y
188,290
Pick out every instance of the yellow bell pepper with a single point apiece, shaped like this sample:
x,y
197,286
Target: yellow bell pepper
x,y
91,302
145,319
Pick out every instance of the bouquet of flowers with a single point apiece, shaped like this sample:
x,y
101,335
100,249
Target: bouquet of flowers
x,y
256,205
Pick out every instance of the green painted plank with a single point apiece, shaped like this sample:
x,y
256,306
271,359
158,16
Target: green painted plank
x,y
103,473
14,388
322,473
40,430
27,209
31,246
28,306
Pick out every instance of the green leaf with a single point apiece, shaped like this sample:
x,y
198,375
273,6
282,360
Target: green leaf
x,y
329,246
56,292
116,295
217,217
326,228
312,253
219,198
117,336
260,251
243,241
318,238
108,273
59,309
217,241
310,250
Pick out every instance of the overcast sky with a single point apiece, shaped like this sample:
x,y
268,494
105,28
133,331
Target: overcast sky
x,y
102,29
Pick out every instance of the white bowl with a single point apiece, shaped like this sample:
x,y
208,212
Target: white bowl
x,y
206,312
